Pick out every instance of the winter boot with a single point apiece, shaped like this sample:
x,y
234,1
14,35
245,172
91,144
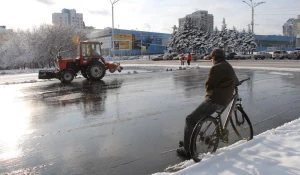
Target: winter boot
x,y
182,153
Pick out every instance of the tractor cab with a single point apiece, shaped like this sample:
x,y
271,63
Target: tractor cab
x,y
88,51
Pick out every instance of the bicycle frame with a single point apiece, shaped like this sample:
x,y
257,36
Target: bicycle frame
x,y
233,100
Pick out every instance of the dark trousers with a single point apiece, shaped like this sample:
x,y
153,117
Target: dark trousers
x,y
188,61
205,109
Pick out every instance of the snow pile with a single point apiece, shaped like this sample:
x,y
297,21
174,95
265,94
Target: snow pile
x,y
276,151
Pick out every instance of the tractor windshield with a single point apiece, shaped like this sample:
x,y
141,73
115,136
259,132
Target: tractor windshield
x,y
86,50
96,50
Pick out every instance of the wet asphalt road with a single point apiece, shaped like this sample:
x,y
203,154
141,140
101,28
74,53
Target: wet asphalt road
x,y
121,125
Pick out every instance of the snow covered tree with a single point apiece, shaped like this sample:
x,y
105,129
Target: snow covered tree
x,y
183,39
224,25
39,47
171,43
15,50
216,29
191,38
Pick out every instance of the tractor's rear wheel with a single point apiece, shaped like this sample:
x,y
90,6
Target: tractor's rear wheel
x,y
96,70
66,76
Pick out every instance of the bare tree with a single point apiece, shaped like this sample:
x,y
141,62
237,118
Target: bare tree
x,y
39,47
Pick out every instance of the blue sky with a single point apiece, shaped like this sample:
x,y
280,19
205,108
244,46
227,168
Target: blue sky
x,y
150,15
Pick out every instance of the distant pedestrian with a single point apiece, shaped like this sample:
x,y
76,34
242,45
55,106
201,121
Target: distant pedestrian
x,y
189,58
182,59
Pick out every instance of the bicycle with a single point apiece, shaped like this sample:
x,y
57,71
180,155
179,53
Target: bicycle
x,y
201,136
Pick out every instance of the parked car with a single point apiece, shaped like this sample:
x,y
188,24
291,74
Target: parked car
x,y
262,55
207,57
133,57
157,57
295,55
280,54
169,56
176,57
230,56
166,57
200,57
125,58
194,56
242,56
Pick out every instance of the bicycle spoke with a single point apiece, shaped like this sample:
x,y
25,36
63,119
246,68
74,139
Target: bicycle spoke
x,y
207,127
242,125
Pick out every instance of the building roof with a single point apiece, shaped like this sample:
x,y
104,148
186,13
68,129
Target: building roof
x,y
274,38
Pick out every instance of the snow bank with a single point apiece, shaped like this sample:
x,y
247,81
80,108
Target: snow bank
x,y
203,66
276,151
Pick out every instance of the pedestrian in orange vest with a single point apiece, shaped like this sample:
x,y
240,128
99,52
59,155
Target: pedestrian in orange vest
x,y
189,58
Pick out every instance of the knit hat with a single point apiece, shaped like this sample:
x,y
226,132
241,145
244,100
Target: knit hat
x,y
218,54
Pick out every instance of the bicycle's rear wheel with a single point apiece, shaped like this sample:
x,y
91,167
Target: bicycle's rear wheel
x,y
205,138
241,124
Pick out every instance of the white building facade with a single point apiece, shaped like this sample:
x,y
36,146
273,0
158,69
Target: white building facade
x,y
298,41
200,18
291,27
68,17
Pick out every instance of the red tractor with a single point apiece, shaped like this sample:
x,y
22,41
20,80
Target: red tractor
x,y
89,62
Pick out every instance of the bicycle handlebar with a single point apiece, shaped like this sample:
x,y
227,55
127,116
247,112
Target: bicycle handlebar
x,y
244,80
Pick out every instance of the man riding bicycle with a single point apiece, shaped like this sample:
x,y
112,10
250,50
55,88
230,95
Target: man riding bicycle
x,y
220,85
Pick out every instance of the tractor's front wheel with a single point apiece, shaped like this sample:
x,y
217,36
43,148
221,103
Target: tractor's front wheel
x,y
96,70
66,76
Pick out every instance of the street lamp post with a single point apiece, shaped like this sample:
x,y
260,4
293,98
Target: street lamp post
x,y
253,5
112,30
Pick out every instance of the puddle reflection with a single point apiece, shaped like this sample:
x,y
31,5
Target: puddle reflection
x,y
89,95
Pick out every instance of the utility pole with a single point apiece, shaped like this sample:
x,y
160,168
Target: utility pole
x,y
253,5
112,30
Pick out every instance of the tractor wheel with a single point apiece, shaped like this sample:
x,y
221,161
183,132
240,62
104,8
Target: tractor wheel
x,y
83,73
96,70
66,76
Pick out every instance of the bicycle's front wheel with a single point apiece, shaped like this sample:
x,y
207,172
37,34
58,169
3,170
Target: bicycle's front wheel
x,y
205,138
241,124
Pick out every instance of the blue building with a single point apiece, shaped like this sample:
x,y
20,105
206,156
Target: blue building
x,y
275,42
134,42
130,42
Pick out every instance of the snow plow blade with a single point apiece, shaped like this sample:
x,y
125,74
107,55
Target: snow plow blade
x,y
47,74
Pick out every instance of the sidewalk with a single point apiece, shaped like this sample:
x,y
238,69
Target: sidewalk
x,y
274,152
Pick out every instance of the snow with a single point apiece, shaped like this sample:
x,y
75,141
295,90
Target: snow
x,y
273,152
280,73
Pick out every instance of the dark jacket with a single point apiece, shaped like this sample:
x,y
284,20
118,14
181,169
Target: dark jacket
x,y
221,82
